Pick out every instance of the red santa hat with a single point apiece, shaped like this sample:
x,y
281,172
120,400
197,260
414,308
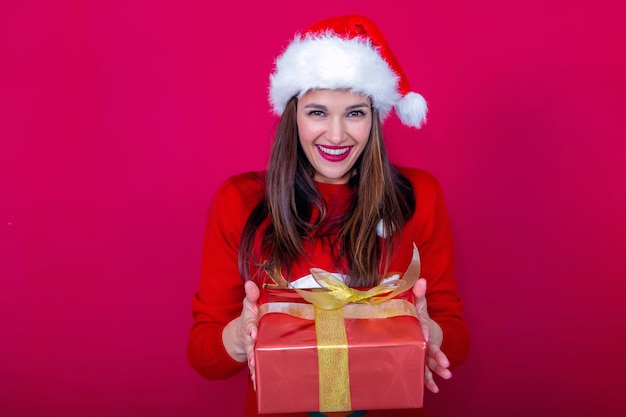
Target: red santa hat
x,y
346,52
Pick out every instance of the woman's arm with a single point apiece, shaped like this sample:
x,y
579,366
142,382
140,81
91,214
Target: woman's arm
x,y
436,295
217,342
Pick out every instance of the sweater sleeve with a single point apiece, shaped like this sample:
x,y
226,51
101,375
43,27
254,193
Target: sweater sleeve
x,y
220,293
436,248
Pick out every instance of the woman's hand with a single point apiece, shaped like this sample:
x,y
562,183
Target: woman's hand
x,y
436,360
239,335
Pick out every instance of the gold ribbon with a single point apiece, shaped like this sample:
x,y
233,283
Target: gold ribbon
x,y
332,360
391,308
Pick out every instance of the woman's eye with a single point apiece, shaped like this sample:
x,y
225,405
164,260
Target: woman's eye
x,y
356,113
316,113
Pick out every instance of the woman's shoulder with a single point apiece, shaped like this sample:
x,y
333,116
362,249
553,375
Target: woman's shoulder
x,y
421,179
245,180
242,188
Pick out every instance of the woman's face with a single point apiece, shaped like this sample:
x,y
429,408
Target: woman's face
x,y
334,127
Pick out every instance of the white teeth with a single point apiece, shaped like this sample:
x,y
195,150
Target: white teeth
x,y
334,151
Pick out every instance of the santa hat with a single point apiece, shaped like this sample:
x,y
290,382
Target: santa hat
x,y
346,52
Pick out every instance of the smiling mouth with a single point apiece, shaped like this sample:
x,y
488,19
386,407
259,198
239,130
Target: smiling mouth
x,y
334,151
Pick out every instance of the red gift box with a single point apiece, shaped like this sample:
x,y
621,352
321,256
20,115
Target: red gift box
x,y
378,365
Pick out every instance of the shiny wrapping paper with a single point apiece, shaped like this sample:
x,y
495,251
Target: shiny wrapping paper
x,y
384,356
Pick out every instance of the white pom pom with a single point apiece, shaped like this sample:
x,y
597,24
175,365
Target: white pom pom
x,y
411,109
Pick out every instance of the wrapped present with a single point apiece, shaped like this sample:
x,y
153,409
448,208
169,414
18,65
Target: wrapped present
x,y
339,348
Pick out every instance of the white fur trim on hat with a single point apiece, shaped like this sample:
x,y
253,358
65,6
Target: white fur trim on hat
x,y
327,61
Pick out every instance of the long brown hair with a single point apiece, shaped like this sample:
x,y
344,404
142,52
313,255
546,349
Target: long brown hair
x,y
291,194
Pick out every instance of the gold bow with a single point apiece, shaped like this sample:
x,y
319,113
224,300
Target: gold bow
x,y
335,294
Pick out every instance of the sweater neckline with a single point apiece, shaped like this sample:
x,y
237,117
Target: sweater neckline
x,y
330,186
331,191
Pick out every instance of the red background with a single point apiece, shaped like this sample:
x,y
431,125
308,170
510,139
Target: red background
x,y
119,119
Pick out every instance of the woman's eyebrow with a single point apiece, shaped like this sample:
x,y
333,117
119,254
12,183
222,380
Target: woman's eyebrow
x,y
323,107
357,106
315,106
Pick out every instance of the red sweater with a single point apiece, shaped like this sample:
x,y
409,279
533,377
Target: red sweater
x,y
220,294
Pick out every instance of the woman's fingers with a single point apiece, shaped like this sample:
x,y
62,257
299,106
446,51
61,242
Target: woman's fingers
x,y
250,313
436,361
249,316
252,373
438,368
429,382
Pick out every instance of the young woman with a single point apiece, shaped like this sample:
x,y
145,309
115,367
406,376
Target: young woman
x,y
330,199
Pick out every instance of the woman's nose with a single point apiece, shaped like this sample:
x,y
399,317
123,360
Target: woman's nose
x,y
336,131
